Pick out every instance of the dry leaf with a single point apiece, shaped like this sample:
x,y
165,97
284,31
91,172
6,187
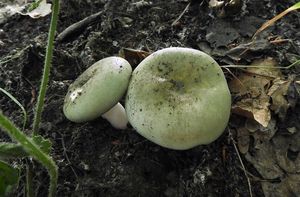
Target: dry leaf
x,y
264,134
266,67
251,88
264,161
133,56
277,92
278,159
257,109
276,154
287,185
255,78
252,125
243,140
42,10
249,84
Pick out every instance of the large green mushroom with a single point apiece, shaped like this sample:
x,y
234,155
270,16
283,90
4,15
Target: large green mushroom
x,y
178,98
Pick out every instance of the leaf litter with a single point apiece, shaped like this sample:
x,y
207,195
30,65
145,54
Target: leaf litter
x,y
262,94
251,89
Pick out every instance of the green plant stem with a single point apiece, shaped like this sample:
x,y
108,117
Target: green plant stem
x,y
29,178
33,150
47,66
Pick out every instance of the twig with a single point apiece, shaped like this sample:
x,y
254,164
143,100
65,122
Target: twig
x,y
78,26
253,177
182,13
66,155
235,77
242,164
249,66
279,41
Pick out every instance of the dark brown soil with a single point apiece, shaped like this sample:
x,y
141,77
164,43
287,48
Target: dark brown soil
x,y
93,158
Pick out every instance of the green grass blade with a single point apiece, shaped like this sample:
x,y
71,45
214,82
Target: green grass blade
x,y
11,150
19,104
276,18
296,6
33,149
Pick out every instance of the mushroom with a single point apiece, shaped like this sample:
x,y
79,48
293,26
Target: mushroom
x,y
116,116
178,98
97,91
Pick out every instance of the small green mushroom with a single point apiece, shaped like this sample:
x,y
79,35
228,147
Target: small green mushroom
x,y
97,91
178,98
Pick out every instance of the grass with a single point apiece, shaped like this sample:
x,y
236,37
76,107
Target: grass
x,y
36,146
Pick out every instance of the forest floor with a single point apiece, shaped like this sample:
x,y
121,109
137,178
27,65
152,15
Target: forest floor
x,y
259,152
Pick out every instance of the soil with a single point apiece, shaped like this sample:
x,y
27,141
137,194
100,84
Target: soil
x,y
95,159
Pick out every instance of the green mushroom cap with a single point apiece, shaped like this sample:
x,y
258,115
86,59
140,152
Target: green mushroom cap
x,y
178,98
97,89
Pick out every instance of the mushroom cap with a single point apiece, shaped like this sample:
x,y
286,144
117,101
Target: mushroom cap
x,y
97,89
178,98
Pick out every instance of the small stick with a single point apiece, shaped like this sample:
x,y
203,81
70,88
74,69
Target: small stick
x,y
242,164
182,13
66,155
279,40
234,76
78,26
249,66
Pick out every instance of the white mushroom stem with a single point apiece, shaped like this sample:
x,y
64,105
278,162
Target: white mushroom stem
x,y
116,116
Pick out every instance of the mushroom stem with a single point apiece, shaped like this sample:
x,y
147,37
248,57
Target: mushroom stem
x,y
116,116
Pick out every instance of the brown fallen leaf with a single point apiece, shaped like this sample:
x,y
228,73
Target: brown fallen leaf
x,y
243,140
286,185
256,109
264,161
277,92
249,84
267,67
278,160
252,88
259,74
264,134
133,56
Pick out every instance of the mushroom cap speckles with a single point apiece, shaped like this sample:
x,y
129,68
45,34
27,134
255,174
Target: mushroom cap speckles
x,y
178,98
97,90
